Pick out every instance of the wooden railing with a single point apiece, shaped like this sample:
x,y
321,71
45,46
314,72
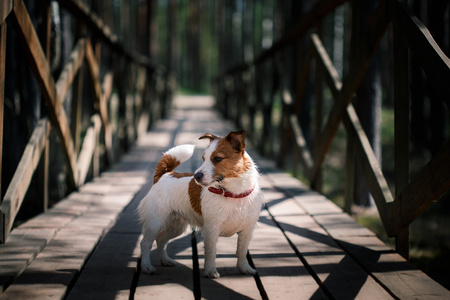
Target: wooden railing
x,y
139,103
240,87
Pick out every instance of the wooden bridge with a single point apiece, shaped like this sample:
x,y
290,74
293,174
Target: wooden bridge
x,y
87,244
304,246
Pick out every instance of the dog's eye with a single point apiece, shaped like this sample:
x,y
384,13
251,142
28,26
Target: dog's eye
x,y
217,159
203,157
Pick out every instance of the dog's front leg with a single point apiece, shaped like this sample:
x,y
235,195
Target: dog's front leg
x,y
210,236
242,246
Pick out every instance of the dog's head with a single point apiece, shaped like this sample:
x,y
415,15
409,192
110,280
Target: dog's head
x,y
223,159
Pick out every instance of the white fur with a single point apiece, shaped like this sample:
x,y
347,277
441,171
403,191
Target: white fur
x,y
182,153
166,212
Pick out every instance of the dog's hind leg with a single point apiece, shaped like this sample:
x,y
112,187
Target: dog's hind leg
x,y
150,234
175,226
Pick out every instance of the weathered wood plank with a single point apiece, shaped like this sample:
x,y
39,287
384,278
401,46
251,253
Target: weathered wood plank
x,y
99,99
52,271
338,272
110,270
22,247
79,222
280,270
88,149
231,284
83,216
5,8
22,177
41,70
398,276
70,70
170,282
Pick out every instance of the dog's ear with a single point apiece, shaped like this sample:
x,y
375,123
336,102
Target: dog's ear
x,y
237,140
209,136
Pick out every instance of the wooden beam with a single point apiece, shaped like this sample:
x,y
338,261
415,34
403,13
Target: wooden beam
x,y
5,8
431,57
422,191
81,12
70,70
41,70
357,70
364,152
370,166
297,132
2,101
300,141
401,129
88,148
99,99
107,86
22,177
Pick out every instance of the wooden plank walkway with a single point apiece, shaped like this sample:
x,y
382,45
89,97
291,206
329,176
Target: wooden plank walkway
x,y
304,247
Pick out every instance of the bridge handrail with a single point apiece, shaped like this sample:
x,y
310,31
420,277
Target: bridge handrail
x,y
411,197
140,74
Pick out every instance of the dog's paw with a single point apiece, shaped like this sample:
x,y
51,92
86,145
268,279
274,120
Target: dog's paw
x,y
211,274
246,269
168,262
148,269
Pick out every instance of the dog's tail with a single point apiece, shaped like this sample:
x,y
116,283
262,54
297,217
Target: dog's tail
x,y
172,159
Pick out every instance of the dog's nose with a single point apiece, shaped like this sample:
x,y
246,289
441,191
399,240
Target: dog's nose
x,y
198,176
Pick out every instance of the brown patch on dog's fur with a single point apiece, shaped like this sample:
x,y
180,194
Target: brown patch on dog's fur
x,y
166,164
194,196
234,162
180,175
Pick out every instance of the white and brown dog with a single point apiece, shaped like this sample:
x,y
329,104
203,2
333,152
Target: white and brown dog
x,y
222,198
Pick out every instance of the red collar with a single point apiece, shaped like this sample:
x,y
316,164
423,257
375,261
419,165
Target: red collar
x,y
228,194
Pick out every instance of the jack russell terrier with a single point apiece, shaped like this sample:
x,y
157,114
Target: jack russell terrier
x,y
222,198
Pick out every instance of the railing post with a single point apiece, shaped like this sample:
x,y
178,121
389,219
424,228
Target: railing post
x,y
77,100
2,99
401,107
350,166
43,176
316,182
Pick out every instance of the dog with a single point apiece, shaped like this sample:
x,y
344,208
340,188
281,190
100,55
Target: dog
x,y
221,198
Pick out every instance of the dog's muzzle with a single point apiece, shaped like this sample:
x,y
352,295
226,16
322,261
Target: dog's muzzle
x,y
198,177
